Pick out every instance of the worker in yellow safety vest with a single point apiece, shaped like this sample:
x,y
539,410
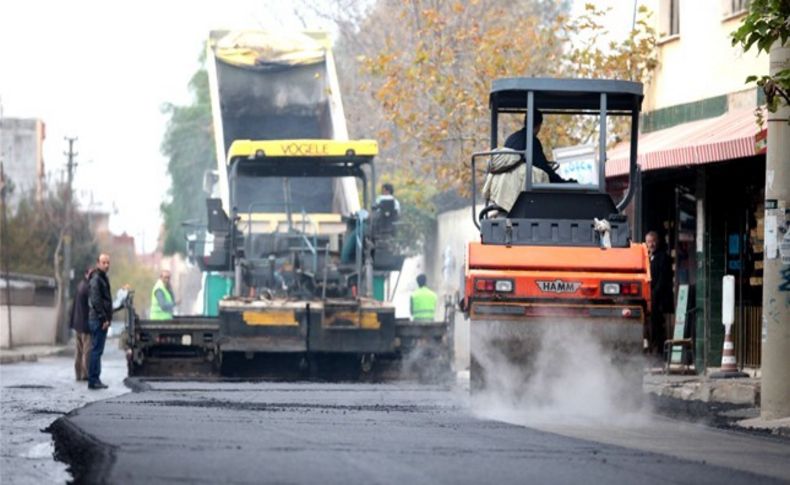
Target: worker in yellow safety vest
x,y
423,302
162,301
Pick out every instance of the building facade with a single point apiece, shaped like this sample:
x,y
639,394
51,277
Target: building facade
x,y
21,144
702,160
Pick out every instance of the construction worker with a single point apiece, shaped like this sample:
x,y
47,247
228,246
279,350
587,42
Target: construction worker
x,y
423,301
162,301
505,179
388,194
518,141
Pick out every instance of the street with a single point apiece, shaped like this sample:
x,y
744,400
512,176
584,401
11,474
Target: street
x,y
32,395
269,432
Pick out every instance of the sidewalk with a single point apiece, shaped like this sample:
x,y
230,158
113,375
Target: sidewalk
x,y
692,387
31,353
734,401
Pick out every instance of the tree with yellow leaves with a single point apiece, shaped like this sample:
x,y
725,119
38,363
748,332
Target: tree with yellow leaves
x,y
422,71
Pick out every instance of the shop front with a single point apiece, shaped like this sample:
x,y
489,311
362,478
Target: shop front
x,y
702,191
733,228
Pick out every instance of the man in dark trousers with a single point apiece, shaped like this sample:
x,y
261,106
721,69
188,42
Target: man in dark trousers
x,y
518,141
99,317
79,323
660,292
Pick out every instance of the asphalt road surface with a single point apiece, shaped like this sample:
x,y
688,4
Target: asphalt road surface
x,y
32,395
264,432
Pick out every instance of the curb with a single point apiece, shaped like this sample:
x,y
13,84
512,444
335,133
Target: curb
x,y
13,357
723,414
735,391
777,427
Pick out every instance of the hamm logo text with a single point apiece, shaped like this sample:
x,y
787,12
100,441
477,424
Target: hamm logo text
x,y
558,286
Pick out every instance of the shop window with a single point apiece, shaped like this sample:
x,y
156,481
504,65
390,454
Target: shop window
x,y
669,18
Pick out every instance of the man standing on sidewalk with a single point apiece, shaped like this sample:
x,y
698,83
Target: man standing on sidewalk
x,y
661,295
79,323
99,317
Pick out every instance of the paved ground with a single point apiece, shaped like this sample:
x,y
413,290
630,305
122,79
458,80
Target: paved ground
x,y
241,432
32,395
363,432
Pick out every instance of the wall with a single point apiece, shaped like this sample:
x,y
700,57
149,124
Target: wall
x,y
700,62
445,267
32,325
187,283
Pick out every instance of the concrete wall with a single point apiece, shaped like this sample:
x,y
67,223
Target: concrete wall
x,y
401,285
31,325
187,283
700,62
444,265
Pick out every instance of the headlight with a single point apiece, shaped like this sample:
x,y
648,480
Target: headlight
x,y
490,285
611,288
624,288
504,285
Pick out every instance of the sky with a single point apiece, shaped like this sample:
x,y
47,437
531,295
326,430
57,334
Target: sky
x,y
101,71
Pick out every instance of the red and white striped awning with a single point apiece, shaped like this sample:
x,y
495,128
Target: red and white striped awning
x,y
732,135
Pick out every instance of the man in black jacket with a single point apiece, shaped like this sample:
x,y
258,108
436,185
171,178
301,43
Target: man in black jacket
x,y
518,141
661,293
79,323
99,317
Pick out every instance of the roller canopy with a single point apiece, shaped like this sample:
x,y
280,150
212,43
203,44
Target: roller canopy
x,y
565,94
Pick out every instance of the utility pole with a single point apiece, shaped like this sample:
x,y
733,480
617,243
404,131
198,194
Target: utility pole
x,y
63,335
4,238
4,255
776,270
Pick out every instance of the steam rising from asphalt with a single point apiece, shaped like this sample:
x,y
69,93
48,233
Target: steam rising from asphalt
x,y
427,365
571,378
